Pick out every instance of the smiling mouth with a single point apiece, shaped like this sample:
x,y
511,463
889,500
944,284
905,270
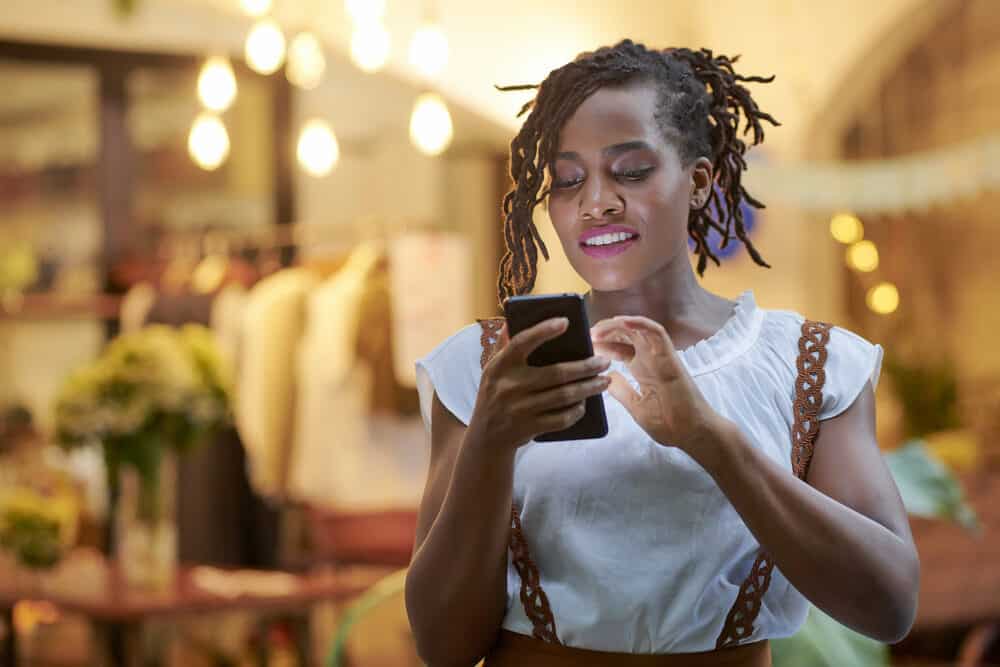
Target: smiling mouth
x,y
609,247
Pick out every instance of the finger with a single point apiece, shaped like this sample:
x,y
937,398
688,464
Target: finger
x,y
553,375
565,395
618,351
613,330
657,338
561,419
527,341
622,391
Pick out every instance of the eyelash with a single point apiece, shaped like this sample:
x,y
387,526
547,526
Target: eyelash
x,y
631,175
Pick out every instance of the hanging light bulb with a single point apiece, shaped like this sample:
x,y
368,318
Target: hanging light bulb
x,y
863,256
364,11
265,47
846,228
430,124
883,298
208,142
306,62
318,150
217,84
429,49
256,8
370,46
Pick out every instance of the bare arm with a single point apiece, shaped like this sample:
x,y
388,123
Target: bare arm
x,y
843,539
456,586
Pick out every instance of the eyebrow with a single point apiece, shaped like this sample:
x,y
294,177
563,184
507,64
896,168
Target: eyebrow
x,y
610,151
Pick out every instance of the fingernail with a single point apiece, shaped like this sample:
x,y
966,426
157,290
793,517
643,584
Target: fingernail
x,y
561,322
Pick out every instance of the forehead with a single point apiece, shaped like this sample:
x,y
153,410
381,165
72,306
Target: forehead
x,y
611,116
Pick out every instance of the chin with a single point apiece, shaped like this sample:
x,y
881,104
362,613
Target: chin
x,y
606,280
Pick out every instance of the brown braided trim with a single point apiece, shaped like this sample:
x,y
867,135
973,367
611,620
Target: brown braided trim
x,y
808,401
536,603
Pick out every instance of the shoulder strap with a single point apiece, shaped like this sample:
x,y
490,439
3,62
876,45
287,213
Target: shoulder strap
x,y
805,428
536,603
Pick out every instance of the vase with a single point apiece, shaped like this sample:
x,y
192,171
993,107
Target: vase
x,y
146,530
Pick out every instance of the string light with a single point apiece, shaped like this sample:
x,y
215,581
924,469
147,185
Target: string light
x,y
256,8
208,142
429,49
883,298
430,124
306,62
265,47
863,256
370,46
318,150
365,11
846,228
217,84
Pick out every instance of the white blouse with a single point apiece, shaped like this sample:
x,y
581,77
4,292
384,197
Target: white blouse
x,y
638,549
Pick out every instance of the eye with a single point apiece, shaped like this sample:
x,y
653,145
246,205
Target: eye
x,y
566,183
633,174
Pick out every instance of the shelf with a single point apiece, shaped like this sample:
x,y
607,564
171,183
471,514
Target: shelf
x,y
60,307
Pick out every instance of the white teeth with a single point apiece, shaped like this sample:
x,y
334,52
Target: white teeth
x,y
606,239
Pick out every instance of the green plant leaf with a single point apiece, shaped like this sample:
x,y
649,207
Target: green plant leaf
x,y
928,488
823,642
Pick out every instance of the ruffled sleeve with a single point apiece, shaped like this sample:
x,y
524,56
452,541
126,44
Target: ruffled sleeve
x,y
851,362
451,371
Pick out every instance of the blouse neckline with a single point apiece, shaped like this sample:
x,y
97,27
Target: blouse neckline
x,y
735,337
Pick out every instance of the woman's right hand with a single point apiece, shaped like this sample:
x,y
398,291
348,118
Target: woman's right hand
x,y
517,402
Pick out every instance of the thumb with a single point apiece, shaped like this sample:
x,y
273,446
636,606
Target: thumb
x,y
622,391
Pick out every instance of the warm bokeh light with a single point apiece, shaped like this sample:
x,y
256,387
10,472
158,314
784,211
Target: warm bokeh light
x,y
208,142
883,298
265,47
429,50
863,256
370,45
256,8
362,11
306,62
430,124
318,150
217,84
846,228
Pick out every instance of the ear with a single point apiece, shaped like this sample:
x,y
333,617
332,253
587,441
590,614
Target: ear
x,y
701,182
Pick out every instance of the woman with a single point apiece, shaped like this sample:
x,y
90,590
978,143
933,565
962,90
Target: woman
x,y
698,528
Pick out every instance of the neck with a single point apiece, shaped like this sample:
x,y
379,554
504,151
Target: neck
x,y
673,297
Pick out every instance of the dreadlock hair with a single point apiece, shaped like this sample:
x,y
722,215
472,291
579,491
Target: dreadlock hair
x,y
700,101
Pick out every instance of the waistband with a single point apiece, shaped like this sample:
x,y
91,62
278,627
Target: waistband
x,y
516,650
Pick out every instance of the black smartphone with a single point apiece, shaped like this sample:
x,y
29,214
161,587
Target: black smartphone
x,y
523,312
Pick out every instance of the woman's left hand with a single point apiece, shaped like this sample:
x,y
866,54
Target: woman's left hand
x,y
668,406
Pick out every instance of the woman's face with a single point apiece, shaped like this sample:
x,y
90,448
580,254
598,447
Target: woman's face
x,y
615,174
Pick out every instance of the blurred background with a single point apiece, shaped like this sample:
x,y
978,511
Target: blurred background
x,y
229,227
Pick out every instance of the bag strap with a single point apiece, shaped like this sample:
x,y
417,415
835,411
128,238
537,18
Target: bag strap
x,y
536,603
805,428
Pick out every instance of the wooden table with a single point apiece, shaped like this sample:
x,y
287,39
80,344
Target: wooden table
x,y
117,613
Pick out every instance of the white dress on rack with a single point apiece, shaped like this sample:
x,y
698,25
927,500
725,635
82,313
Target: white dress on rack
x,y
638,549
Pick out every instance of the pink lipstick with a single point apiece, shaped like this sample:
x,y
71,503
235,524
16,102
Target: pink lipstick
x,y
610,249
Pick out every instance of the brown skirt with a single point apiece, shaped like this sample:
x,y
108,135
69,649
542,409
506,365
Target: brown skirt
x,y
517,650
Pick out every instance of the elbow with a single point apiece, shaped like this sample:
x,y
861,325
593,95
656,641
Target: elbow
x,y
439,642
901,610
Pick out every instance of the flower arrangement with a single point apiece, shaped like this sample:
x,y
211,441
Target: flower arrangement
x,y
153,391
34,527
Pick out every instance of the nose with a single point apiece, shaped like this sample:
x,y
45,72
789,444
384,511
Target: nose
x,y
597,201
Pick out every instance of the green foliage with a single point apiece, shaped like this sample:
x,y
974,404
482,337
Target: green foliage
x,y
32,537
928,393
